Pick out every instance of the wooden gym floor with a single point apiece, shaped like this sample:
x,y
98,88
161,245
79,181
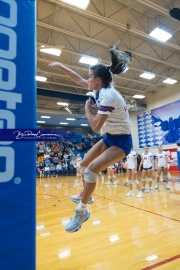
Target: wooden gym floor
x,y
122,233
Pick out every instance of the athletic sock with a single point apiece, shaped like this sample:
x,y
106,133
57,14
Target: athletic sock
x,y
81,206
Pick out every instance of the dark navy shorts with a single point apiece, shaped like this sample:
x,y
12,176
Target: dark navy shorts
x,y
146,169
124,141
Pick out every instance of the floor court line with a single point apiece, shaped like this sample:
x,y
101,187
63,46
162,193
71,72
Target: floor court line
x,y
150,212
133,206
161,263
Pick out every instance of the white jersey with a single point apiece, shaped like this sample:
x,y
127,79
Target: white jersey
x,y
130,163
162,159
147,160
110,101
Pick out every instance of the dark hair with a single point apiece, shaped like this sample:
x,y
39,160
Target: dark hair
x,y
102,72
119,63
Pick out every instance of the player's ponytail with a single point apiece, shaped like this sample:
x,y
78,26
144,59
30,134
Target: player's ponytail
x,y
119,60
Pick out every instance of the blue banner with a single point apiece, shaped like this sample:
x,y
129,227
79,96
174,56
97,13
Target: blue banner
x,y
17,110
160,126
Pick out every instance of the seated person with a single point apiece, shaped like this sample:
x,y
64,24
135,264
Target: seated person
x,y
55,159
52,169
40,169
47,161
64,168
59,169
72,168
47,170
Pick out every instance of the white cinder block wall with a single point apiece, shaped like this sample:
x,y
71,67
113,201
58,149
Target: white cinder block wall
x,y
154,100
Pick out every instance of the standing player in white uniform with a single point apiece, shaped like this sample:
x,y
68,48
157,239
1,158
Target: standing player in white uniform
x,y
78,165
148,168
112,119
162,166
112,175
131,166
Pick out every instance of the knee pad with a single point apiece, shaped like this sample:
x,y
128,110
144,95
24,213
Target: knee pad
x,y
78,174
89,176
158,175
129,181
143,179
150,179
109,177
136,182
82,169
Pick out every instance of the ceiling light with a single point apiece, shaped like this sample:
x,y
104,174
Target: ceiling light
x,y
85,125
52,51
63,123
41,78
83,4
42,122
147,75
63,103
68,110
88,60
160,34
70,119
138,96
170,81
45,116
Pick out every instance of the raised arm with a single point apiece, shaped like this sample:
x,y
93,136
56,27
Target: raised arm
x,y
73,76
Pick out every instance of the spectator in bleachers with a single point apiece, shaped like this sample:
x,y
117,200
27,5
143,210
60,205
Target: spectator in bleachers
x,y
47,161
59,169
40,169
41,158
46,155
47,170
51,154
47,147
55,159
64,168
40,148
56,147
52,169
66,155
72,168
